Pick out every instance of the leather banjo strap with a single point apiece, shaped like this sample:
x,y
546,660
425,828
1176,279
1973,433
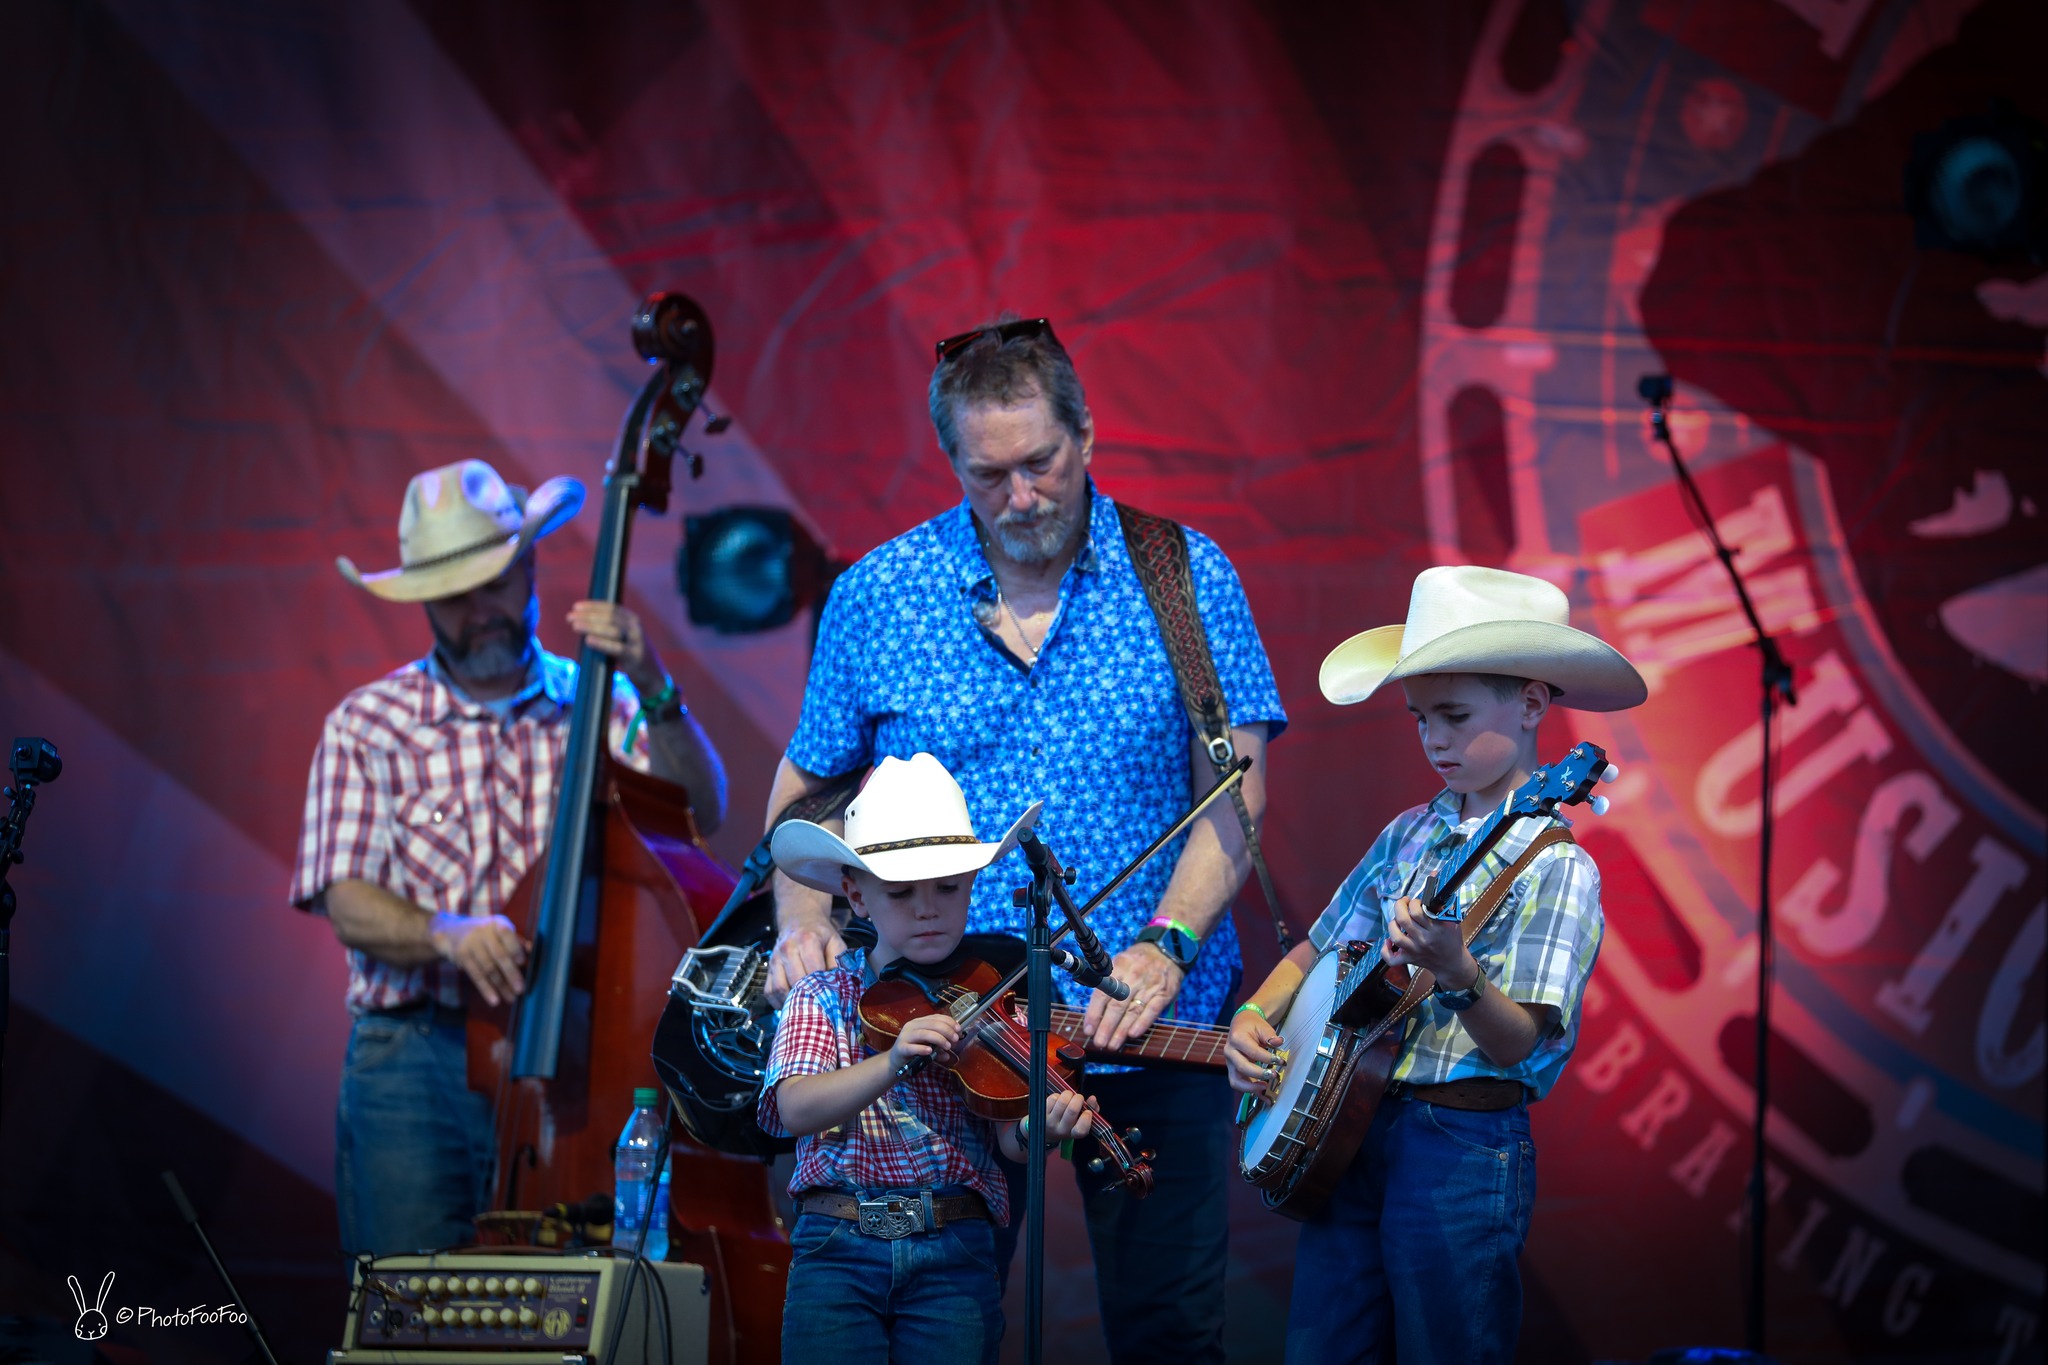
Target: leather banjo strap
x,y
1159,551
826,803
1421,982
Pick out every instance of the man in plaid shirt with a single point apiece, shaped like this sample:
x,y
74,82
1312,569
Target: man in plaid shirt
x,y
1414,1259
431,794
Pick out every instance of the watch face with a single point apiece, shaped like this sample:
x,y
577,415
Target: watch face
x,y
1179,948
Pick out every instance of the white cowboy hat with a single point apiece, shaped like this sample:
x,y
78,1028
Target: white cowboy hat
x,y
461,527
909,822
1467,619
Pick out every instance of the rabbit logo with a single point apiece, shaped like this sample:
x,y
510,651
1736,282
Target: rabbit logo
x,y
92,1322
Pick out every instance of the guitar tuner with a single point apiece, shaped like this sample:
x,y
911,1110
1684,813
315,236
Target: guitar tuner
x,y
1610,773
1599,805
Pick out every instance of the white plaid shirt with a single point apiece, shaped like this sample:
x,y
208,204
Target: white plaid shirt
x,y
438,799
1539,948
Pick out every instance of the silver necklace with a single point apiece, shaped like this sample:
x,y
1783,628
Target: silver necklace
x,y
1004,603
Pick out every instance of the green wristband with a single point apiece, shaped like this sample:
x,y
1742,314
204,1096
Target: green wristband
x,y
1251,1005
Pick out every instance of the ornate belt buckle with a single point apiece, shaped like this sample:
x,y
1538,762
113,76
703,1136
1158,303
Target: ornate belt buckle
x,y
893,1217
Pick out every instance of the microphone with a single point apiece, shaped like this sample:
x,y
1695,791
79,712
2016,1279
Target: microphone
x,y
1089,975
1654,389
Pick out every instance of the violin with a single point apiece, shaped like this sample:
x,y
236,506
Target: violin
x,y
993,1061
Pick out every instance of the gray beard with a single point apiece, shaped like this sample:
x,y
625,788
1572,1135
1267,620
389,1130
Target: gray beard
x,y
490,661
1037,539
494,657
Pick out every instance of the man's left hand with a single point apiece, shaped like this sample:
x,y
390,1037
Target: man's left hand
x,y
613,629
1154,981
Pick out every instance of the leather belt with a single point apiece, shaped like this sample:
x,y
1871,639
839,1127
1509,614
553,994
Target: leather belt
x,y
891,1216
1482,1094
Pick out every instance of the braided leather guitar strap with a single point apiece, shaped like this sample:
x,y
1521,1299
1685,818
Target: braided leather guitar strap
x,y
1159,550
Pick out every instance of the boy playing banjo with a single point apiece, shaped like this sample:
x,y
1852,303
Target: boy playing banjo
x,y
1414,1257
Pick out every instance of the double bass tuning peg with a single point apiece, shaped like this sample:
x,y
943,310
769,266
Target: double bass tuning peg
x,y
714,422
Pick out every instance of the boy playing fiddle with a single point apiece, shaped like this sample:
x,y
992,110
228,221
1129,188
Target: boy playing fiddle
x,y
894,1245
1414,1258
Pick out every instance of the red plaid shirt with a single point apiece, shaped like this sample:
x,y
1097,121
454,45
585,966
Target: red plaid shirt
x,y
918,1136
438,799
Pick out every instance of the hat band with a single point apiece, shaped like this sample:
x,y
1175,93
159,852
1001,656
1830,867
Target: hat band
x,y
925,842
494,543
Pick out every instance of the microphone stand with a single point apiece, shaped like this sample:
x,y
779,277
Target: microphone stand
x,y
1776,682
31,761
191,1218
1049,883
1036,897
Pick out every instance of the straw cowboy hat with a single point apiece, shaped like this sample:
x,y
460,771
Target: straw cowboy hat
x,y
461,527
1466,619
909,822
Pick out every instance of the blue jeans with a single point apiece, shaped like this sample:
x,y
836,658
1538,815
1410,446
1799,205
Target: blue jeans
x,y
413,1145
1414,1259
929,1297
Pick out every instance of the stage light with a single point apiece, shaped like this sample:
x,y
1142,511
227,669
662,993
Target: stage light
x,y
1979,184
749,569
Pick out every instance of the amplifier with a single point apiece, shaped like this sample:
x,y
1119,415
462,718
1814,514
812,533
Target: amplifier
x,y
496,1307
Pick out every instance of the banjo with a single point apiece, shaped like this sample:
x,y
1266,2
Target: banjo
x,y
1341,1037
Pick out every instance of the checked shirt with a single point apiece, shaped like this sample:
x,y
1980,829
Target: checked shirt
x,y
1094,728
1539,947
917,1136
440,800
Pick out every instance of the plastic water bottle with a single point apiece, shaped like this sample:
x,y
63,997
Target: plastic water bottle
x,y
640,1144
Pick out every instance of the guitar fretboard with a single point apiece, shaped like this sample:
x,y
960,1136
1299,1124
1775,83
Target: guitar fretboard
x,y
1197,1046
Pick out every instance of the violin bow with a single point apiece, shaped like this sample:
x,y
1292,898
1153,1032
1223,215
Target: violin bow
x,y
1232,775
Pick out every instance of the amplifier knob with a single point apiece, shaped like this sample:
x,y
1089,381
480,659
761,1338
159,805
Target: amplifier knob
x,y
436,1284
469,1317
430,1315
415,1284
473,1285
489,1317
531,1286
493,1285
527,1317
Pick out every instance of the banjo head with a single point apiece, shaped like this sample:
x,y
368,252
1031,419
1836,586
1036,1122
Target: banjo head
x,y
1274,1135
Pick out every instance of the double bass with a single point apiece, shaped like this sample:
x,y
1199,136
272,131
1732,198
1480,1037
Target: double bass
x,y
610,907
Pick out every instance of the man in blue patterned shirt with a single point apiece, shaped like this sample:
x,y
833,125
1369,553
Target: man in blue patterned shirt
x,y
1011,638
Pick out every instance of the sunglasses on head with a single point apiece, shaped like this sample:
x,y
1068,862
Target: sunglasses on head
x,y
1004,331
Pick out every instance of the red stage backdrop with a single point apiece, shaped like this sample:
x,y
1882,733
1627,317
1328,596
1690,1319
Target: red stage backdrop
x,y
1354,290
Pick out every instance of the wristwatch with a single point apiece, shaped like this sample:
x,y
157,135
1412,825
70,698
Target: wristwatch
x,y
1457,1002
664,706
1174,939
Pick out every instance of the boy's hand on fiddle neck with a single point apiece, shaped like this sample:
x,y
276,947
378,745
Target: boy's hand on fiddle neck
x,y
1414,939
